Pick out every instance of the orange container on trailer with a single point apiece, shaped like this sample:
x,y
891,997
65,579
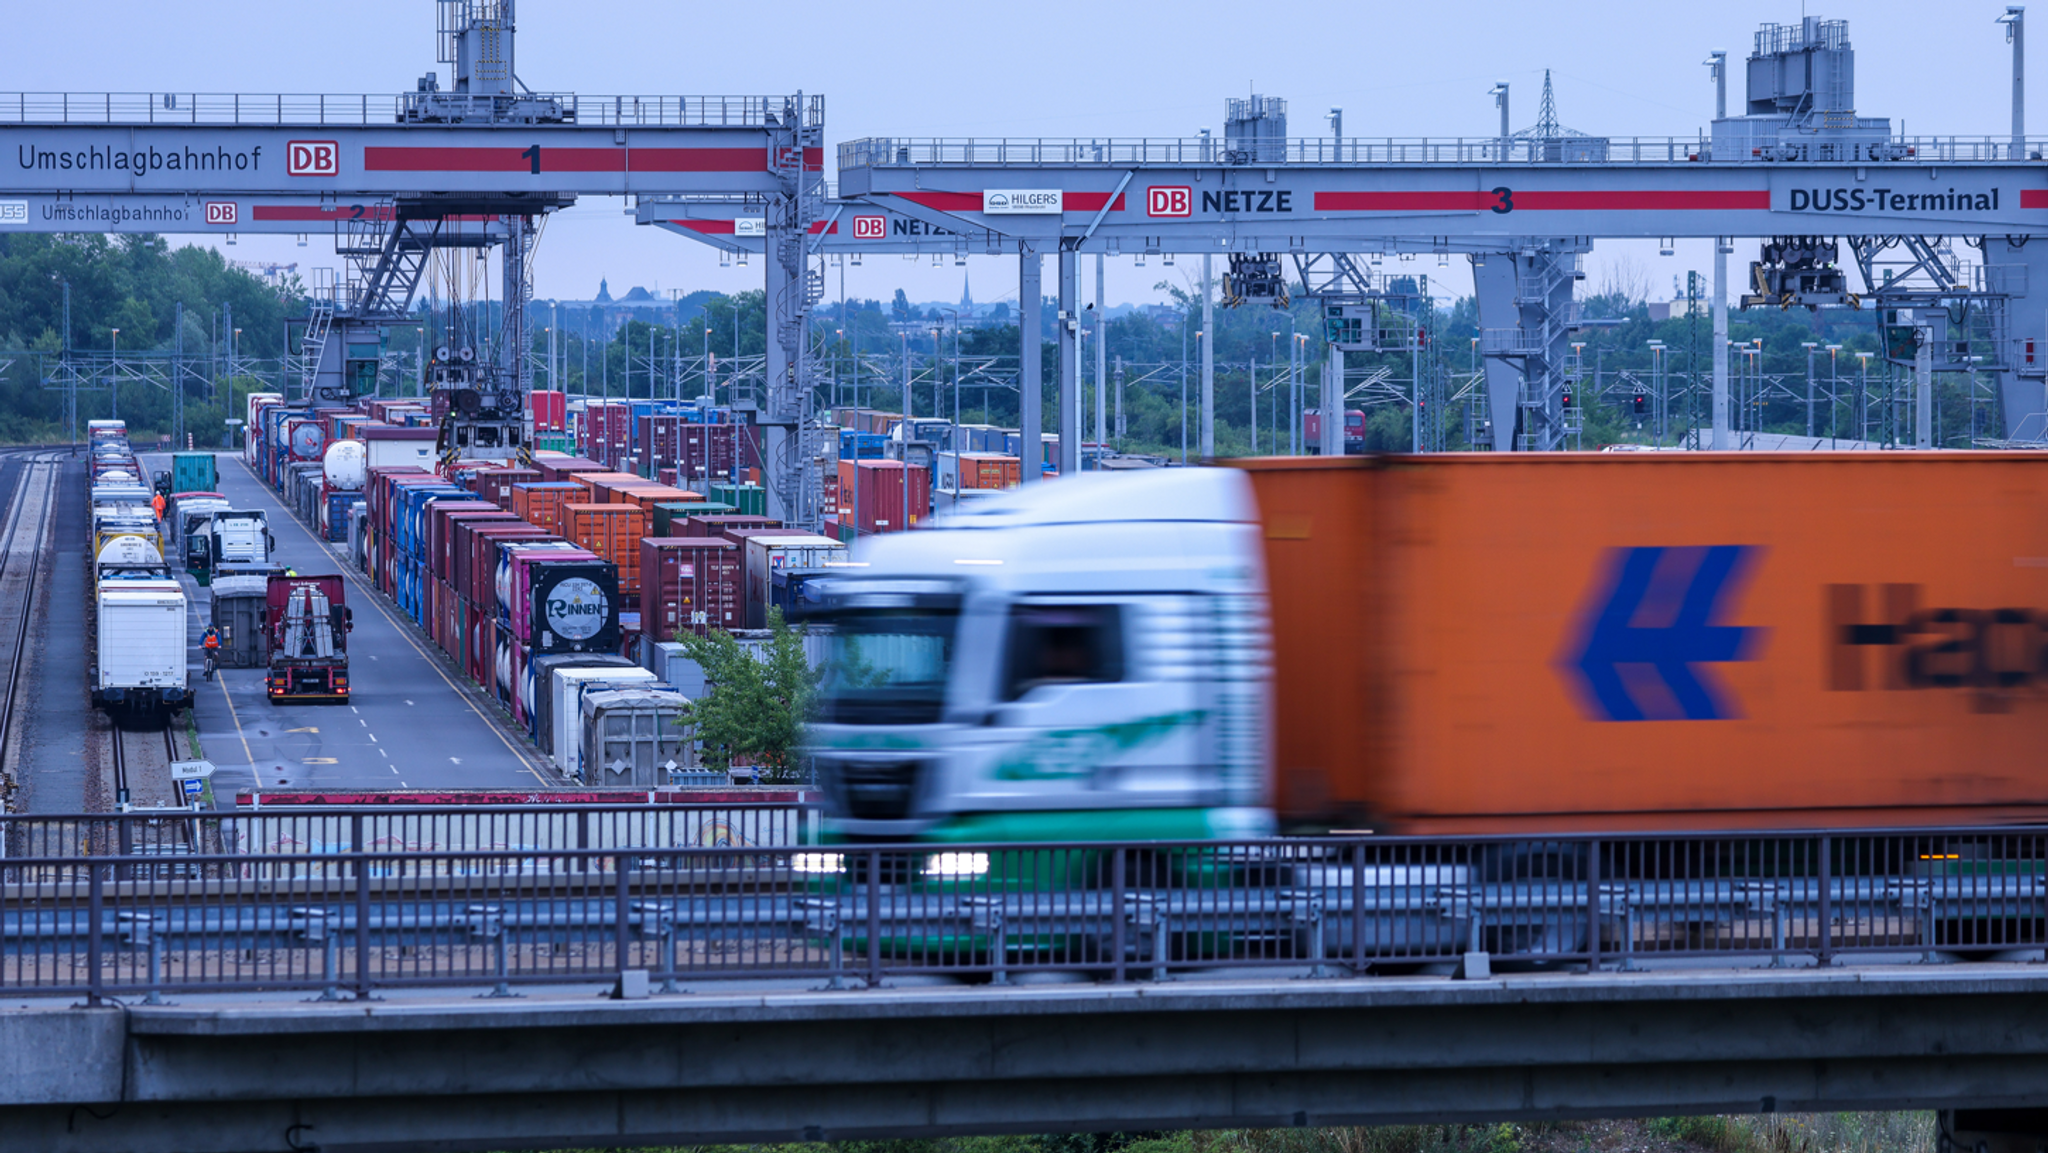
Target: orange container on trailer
x,y
1562,642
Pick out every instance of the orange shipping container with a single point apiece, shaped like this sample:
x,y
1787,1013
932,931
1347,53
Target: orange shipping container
x,y
1560,642
541,504
612,531
601,485
648,495
988,470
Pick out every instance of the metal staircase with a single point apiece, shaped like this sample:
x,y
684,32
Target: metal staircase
x,y
313,345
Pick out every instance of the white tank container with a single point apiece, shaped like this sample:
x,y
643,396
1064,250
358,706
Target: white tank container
x,y
345,466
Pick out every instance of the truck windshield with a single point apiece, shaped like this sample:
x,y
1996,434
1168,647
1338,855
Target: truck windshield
x,y
889,666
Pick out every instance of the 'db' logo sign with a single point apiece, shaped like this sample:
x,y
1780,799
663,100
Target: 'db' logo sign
x,y
871,228
221,212
312,158
1170,201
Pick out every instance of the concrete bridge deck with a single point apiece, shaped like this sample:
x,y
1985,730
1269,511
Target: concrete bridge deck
x,y
750,1063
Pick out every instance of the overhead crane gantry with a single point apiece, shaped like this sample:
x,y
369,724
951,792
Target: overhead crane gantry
x,y
398,176
1795,161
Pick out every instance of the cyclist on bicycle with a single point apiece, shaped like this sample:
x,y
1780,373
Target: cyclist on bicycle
x,y
211,643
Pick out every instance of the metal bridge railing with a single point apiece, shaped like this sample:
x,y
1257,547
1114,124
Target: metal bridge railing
x,y
884,152
385,109
131,922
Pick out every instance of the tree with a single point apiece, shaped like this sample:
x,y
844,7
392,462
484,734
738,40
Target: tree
x,y
901,308
758,699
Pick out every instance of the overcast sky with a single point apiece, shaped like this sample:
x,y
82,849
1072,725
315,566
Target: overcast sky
x,y
1046,68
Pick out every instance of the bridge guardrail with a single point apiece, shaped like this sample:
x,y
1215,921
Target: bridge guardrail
x,y
306,840
377,918
1615,151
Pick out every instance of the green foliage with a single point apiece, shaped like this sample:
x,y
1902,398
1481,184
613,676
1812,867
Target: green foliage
x,y
133,283
756,706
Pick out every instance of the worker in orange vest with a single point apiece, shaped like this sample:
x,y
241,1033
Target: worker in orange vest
x,y
157,502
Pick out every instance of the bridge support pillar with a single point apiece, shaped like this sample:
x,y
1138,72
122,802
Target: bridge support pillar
x,y
1030,369
2021,272
1333,404
1070,361
1525,301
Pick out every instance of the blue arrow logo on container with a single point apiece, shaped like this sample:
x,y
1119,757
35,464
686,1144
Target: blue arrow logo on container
x,y
1650,631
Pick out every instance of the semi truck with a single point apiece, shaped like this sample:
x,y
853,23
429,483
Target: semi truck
x,y
1457,644
238,537
308,620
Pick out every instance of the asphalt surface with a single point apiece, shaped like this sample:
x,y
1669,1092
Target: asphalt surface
x,y
412,722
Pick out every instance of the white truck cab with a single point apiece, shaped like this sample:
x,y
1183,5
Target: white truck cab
x,y
1082,659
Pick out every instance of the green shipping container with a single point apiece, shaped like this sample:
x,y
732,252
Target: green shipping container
x,y
554,442
749,499
194,472
668,512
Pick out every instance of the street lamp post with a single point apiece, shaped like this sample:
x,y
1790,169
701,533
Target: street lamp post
x,y
114,377
1809,346
1863,397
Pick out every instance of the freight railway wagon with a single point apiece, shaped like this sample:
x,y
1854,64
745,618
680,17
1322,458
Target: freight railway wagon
x,y
1517,644
136,620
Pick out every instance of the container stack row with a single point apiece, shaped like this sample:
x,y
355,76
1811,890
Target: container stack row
x,y
550,585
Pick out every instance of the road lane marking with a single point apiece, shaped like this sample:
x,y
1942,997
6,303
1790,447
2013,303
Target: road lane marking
x,y
370,596
237,718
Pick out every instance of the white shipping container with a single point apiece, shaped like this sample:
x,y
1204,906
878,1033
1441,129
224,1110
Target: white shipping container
x,y
141,636
566,709
766,554
398,452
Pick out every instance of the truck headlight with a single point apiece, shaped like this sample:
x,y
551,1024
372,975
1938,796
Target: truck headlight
x,y
818,862
956,865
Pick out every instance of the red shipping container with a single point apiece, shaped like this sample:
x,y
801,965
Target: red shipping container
x,y
479,582
877,498
495,484
441,516
550,410
689,584
554,468
472,543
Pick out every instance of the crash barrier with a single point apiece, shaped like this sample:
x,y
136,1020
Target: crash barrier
x,y
126,920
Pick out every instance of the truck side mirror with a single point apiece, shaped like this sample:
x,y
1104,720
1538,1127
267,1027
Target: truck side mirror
x,y
269,542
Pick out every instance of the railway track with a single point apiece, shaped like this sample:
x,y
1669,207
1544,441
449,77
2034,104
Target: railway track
x,y
22,563
142,758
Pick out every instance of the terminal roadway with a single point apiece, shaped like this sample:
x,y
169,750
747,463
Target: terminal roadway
x,y
562,1068
411,722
